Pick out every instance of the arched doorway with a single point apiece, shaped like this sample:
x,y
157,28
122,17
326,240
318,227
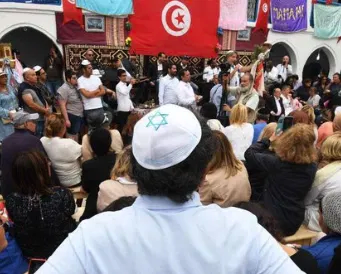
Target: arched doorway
x,y
318,62
33,45
281,49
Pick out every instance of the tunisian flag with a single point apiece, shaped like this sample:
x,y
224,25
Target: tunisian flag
x,y
71,12
263,16
183,27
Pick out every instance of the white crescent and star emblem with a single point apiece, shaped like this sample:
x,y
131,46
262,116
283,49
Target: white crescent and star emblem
x,y
176,18
73,2
265,7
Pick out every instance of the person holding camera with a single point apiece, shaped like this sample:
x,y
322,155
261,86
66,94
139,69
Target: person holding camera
x,y
284,69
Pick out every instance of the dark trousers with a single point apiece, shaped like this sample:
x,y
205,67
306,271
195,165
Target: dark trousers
x,y
122,117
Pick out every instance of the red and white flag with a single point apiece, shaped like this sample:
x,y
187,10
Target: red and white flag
x,y
71,12
263,16
183,27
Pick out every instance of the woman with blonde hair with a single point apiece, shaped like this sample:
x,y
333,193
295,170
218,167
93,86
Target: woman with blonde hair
x,y
309,110
291,172
327,179
226,182
121,183
268,131
64,153
240,132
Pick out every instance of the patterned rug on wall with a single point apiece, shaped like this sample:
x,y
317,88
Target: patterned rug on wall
x,y
74,54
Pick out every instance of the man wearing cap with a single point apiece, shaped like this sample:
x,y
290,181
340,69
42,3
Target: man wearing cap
x,y
42,86
167,229
92,90
21,140
168,87
32,100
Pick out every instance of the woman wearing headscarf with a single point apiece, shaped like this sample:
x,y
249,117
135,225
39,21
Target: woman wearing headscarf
x,y
327,179
330,222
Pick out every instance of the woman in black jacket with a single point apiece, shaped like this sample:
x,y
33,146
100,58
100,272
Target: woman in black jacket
x,y
291,171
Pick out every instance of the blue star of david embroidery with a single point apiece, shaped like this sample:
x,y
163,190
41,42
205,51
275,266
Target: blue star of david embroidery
x,y
157,120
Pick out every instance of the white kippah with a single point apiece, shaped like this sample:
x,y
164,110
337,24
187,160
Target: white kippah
x,y
85,63
37,68
26,70
165,137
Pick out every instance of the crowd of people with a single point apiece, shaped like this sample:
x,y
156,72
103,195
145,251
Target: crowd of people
x,y
210,181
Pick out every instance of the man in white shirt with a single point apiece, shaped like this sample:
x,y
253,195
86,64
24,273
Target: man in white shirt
x,y
275,105
125,105
211,70
270,74
167,229
92,90
236,70
284,69
185,92
168,87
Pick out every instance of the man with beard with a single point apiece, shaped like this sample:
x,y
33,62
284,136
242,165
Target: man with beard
x,y
246,95
168,87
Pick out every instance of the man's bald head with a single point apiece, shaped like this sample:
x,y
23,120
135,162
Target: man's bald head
x,y
30,76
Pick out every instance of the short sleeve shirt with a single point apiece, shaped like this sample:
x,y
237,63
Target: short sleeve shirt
x,y
90,84
71,96
36,100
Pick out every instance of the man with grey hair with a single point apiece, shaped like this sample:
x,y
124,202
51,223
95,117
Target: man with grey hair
x,y
246,95
21,140
31,99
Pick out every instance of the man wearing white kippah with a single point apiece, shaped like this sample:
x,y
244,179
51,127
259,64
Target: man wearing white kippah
x,y
167,229
92,90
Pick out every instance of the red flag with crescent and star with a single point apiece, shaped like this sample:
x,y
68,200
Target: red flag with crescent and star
x,y
185,27
263,16
71,12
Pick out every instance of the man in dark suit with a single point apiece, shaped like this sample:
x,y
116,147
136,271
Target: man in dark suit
x,y
275,105
156,71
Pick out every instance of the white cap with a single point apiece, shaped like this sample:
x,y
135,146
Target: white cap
x,y
85,63
337,110
96,73
37,68
165,137
21,117
2,72
267,43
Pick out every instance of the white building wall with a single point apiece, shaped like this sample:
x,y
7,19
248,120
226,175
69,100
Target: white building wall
x,y
302,44
39,17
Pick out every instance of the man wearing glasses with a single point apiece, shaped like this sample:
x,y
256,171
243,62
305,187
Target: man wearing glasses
x,y
71,105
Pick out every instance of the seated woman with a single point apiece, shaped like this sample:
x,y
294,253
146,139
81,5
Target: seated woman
x,y
327,179
256,176
128,129
226,182
303,259
97,170
116,140
327,129
240,132
330,222
121,183
64,153
291,173
42,214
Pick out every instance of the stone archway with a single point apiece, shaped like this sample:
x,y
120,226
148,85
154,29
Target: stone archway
x,y
281,49
321,60
33,43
